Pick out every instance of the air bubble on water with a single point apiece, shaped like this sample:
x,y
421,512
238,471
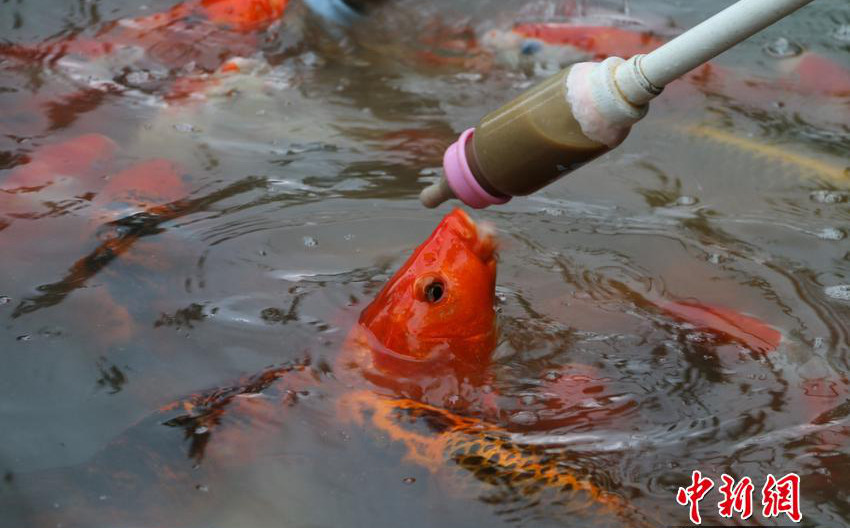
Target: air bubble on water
x,y
528,399
102,497
590,404
349,236
185,127
138,77
828,197
469,77
698,337
408,480
310,241
25,337
818,343
552,375
524,418
5,299
831,233
782,48
842,33
716,258
202,488
840,292
552,211
686,200
311,60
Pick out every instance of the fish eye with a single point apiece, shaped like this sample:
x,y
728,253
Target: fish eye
x,y
434,291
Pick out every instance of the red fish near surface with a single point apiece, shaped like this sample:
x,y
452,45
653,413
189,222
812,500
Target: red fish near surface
x,y
415,366
809,74
242,15
439,305
599,41
71,193
171,35
431,332
193,38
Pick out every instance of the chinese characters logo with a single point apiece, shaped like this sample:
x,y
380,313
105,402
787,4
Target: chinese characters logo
x,y
778,496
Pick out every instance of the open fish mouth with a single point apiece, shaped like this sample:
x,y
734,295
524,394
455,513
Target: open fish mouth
x,y
481,236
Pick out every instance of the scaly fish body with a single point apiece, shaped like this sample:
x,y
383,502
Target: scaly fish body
x,y
490,453
435,438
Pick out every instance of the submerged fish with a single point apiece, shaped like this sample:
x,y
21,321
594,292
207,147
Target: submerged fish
x,y
166,55
577,38
77,195
204,31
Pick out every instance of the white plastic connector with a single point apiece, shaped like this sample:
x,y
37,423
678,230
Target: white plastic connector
x,y
609,97
633,84
604,114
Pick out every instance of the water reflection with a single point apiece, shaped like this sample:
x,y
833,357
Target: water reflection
x,y
299,167
111,377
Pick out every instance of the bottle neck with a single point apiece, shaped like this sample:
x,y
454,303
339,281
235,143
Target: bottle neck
x,y
475,168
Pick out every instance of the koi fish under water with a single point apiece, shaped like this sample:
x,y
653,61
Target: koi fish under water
x,y
167,55
416,366
575,39
77,195
202,32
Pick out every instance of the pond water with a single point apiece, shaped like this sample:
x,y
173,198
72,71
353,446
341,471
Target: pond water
x,y
295,181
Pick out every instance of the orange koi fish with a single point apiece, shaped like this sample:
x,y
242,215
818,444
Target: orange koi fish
x,y
809,73
750,332
424,346
600,42
241,15
71,191
79,174
415,366
815,74
195,37
438,308
196,30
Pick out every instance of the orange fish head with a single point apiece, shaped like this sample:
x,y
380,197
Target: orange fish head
x,y
439,305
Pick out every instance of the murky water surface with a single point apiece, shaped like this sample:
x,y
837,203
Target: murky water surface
x,y
294,184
